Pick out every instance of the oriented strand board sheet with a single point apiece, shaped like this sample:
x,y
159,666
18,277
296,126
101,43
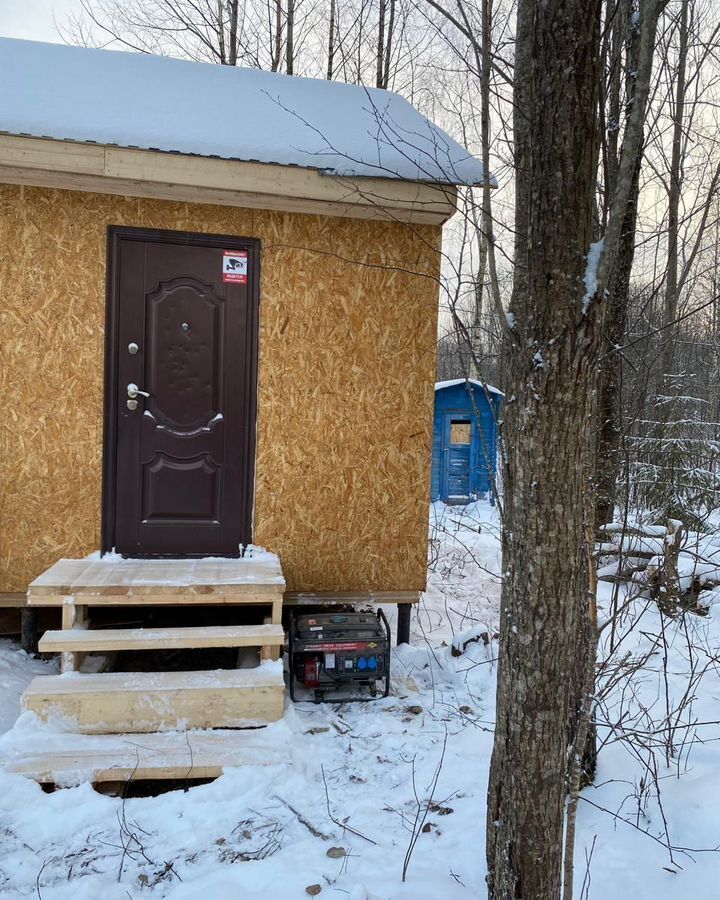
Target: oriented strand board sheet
x,y
347,357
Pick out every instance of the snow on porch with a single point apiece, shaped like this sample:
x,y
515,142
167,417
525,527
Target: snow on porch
x,y
111,579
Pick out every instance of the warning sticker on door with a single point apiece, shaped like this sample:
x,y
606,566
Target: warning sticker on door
x,y
235,266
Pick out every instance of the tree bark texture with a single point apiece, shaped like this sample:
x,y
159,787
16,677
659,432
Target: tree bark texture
x,y
277,48
234,10
380,56
674,192
331,42
290,37
623,188
389,45
552,348
609,414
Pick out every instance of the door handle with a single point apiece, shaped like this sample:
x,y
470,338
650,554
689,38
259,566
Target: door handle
x,y
134,391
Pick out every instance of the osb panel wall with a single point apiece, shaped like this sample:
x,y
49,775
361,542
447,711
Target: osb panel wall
x,y
347,360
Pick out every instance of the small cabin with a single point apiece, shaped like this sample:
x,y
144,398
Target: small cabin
x,y
465,432
219,330
219,315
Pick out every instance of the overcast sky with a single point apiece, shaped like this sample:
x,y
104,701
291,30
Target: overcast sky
x,y
33,19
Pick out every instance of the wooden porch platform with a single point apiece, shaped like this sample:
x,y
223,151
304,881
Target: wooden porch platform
x,y
126,582
152,702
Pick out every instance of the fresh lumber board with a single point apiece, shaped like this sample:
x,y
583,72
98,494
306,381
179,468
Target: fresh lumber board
x,y
13,601
147,597
298,598
142,702
87,641
74,759
200,579
134,172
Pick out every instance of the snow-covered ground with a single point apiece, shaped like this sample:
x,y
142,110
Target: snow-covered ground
x,y
406,773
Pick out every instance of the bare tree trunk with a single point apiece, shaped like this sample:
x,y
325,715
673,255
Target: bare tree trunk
x,y
221,33
290,29
487,213
232,55
585,730
618,13
671,277
609,413
552,352
483,53
607,462
388,45
476,335
277,50
380,56
331,42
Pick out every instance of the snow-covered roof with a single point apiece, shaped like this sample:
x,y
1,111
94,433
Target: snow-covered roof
x,y
439,385
158,103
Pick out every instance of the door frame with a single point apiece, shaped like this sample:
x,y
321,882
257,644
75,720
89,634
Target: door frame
x,y
116,233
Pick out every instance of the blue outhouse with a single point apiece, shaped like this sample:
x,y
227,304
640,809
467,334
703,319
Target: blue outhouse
x,y
464,439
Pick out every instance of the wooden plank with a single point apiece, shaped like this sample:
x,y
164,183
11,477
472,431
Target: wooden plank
x,y
60,576
142,702
298,598
150,173
422,213
13,601
72,616
162,638
272,652
169,755
150,599
148,580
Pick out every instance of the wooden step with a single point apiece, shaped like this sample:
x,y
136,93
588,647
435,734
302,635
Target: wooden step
x,y
142,702
74,759
146,596
124,582
76,640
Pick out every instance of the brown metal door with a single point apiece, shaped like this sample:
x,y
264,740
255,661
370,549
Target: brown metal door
x,y
182,358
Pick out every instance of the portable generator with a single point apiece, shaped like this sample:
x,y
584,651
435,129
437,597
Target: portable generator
x,y
328,651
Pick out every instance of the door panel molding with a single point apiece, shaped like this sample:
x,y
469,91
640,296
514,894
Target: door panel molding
x,y
171,439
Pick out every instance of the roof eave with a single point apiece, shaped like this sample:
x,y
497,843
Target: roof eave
x,y
107,168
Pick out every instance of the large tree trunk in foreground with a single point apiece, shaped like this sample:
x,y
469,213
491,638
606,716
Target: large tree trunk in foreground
x,y
552,353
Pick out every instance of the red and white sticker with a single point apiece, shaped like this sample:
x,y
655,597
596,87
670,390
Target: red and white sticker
x,y
235,266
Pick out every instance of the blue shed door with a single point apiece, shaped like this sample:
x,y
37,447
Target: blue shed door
x,y
457,444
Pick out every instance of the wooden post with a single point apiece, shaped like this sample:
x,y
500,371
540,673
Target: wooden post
x,y
29,630
403,623
72,617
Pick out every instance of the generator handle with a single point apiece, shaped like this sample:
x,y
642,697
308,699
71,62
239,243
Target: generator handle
x,y
291,654
383,618
381,615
